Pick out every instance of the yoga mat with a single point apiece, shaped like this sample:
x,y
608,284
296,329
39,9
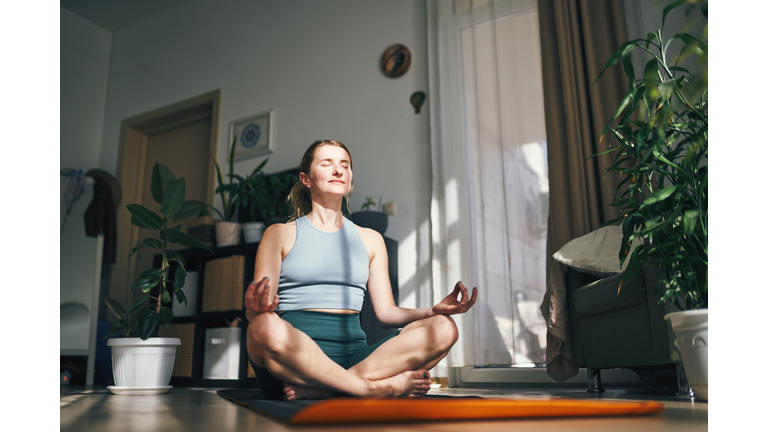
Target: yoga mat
x,y
345,410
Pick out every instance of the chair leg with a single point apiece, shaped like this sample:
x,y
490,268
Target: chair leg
x,y
683,389
594,381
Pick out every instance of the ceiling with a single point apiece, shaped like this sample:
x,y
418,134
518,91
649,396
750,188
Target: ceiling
x,y
116,14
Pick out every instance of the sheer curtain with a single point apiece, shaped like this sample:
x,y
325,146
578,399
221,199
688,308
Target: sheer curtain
x,y
490,187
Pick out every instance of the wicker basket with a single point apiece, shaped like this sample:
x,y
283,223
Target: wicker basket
x,y
182,364
224,283
203,229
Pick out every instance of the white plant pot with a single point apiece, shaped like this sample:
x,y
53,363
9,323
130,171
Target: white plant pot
x,y
142,366
690,329
227,234
252,231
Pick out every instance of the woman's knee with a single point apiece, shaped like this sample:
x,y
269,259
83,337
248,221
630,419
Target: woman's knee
x,y
267,332
445,333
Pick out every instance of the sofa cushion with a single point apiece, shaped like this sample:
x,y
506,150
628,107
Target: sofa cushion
x,y
596,253
601,296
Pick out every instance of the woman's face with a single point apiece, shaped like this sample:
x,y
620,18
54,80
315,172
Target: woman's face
x,y
331,171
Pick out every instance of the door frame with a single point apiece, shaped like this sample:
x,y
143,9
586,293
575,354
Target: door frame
x,y
134,133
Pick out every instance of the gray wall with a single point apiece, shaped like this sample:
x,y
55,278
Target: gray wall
x,y
85,51
316,63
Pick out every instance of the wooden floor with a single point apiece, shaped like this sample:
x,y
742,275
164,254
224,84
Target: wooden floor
x,y
86,408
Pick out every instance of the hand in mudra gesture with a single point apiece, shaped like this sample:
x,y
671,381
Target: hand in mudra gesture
x,y
257,297
456,302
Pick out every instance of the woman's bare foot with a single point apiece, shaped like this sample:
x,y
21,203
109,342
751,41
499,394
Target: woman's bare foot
x,y
294,392
410,384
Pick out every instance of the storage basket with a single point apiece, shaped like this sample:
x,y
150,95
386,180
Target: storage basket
x,y
182,365
223,284
203,229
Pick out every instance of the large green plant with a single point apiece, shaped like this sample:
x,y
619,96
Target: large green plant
x,y
169,193
661,127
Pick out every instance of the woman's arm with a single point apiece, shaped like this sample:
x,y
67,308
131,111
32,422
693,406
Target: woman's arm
x,y
380,290
261,296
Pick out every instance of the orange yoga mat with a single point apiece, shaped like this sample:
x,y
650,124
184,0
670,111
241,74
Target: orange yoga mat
x,y
435,409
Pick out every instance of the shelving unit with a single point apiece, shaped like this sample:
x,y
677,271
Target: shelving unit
x,y
196,260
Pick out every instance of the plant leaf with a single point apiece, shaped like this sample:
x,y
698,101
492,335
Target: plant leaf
x,y
166,297
111,335
617,55
175,256
181,297
171,233
659,196
689,221
161,179
166,316
190,209
135,307
668,9
180,278
697,46
155,243
115,307
173,198
144,284
148,322
190,242
144,218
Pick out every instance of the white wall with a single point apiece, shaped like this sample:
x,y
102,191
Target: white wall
x,y
85,50
316,63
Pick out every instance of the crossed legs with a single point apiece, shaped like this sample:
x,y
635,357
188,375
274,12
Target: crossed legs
x,y
396,368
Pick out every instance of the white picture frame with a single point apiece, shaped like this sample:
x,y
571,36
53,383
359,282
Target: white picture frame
x,y
254,135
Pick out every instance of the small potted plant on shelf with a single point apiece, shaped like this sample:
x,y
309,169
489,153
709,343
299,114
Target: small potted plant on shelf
x,y
374,219
662,155
143,363
228,229
253,192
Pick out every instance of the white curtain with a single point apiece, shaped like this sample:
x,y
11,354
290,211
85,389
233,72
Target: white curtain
x,y
490,188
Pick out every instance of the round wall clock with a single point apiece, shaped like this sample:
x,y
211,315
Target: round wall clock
x,y
396,60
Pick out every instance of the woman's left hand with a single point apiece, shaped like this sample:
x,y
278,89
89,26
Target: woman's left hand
x,y
452,305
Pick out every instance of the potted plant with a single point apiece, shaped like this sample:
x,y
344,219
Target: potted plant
x,y
228,229
662,155
252,192
142,364
376,220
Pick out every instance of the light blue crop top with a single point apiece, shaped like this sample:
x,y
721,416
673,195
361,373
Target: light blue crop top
x,y
324,270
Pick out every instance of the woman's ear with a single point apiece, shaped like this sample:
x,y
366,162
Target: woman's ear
x,y
304,179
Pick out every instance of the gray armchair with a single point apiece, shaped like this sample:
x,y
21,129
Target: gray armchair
x,y
625,330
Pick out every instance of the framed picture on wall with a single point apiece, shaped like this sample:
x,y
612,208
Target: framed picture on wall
x,y
254,135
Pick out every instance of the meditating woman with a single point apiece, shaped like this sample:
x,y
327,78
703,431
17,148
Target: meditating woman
x,y
304,334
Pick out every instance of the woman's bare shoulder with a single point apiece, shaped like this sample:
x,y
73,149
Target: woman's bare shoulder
x,y
280,236
372,240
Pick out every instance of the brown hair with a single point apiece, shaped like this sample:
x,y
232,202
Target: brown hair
x,y
300,198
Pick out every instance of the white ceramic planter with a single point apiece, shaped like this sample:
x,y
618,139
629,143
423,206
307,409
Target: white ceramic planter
x,y
227,234
253,231
142,366
690,329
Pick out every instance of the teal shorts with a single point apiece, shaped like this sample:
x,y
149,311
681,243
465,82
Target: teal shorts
x,y
339,336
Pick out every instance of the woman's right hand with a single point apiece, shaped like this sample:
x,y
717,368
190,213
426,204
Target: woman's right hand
x,y
257,298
